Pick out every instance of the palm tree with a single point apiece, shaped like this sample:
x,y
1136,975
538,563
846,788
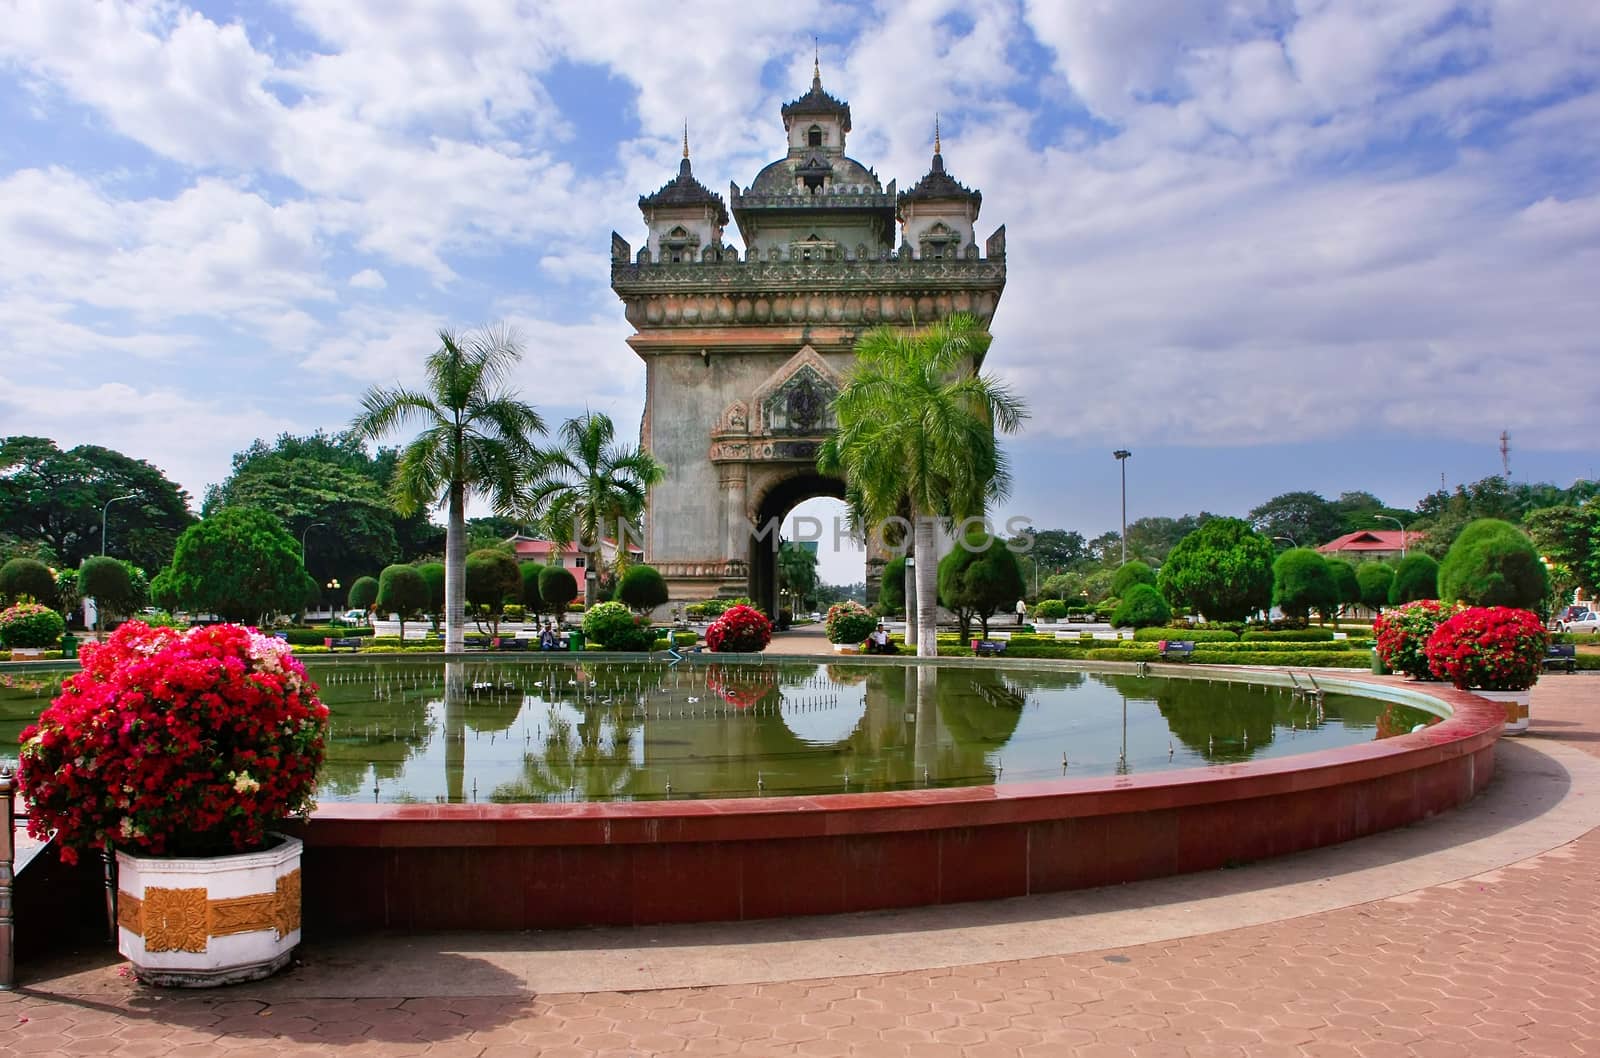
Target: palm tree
x,y
917,432
476,439
797,571
587,483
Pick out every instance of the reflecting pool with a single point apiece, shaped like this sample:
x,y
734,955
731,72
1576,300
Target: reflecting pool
x,y
518,730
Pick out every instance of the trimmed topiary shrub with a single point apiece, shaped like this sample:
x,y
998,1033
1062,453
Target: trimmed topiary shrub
x,y
1492,648
557,588
30,625
1223,570
1415,578
1129,574
1142,607
1301,582
492,580
740,630
849,622
110,585
402,592
433,577
530,572
1374,580
363,593
1493,564
1402,636
27,578
892,586
643,588
1050,610
612,626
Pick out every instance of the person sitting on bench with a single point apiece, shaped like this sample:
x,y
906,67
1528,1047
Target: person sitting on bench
x,y
547,638
878,641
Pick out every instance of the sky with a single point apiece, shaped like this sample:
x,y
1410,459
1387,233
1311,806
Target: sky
x,y
1265,245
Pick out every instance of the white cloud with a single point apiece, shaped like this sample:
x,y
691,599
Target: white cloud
x,y
368,279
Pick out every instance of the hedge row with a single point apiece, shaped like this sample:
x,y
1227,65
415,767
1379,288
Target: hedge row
x,y
1291,635
1194,635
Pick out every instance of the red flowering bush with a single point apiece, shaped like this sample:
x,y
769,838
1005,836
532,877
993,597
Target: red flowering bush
x,y
741,686
849,622
1402,636
1493,648
28,624
740,630
175,743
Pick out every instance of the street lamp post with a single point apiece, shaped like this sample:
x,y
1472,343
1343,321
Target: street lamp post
x,y
1402,527
1121,456
303,532
104,510
1288,538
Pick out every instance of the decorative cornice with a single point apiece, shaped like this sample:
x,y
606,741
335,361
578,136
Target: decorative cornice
x,y
863,277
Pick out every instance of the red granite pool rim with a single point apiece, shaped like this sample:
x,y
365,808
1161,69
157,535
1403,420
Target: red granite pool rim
x,y
487,866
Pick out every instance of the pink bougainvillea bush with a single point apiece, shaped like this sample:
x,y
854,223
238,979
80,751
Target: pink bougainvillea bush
x,y
740,630
1402,636
1491,648
175,743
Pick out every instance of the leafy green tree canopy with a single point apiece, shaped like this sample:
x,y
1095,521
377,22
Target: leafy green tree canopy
x,y
642,588
402,592
240,563
1304,517
363,593
1416,577
892,588
1223,569
1347,588
1131,573
530,572
1374,580
1493,563
27,577
59,499
110,583
492,579
557,587
979,577
433,577
1301,582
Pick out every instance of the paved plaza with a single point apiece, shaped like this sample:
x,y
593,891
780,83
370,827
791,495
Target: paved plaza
x,y
1474,934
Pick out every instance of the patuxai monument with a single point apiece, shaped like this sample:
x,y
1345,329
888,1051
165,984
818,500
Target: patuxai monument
x,y
745,351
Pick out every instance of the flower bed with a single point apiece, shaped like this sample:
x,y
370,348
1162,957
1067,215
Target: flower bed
x,y
175,743
740,630
849,622
1402,636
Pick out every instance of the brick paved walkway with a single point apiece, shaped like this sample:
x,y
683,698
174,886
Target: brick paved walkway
x,y
1502,963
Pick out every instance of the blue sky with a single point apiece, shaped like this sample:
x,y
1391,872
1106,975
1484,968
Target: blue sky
x,y
1266,245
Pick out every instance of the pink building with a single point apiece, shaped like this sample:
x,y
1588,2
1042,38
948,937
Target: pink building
x,y
549,553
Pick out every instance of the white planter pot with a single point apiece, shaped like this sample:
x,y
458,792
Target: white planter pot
x,y
1515,704
846,648
207,921
34,653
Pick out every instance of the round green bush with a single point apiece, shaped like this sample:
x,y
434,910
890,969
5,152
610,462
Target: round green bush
x,y
1141,607
1415,578
613,626
1302,582
557,588
1374,580
108,583
1050,610
492,580
1129,574
27,578
892,588
1493,563
643,588
30,625
530,572
363,593
433,576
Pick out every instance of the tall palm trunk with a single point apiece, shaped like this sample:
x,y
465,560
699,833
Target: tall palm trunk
x,y
908,589
455,571
927,588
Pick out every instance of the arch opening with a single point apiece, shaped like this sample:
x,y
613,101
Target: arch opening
x,y
772,526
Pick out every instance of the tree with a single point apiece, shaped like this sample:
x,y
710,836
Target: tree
x,y
1416,577
1346,586
1493,563
492,580
327,492
477,439
1301,582
1304,517
1223,569
1131,573
916,432
240,563
1151,539
59,499
402,592
1374,580
493,531
892,587
1567,536
588,485
558,587
980,576
529,572
433,577
363,594
27,578
797,571
642,588
111,584
1142,607
1058,550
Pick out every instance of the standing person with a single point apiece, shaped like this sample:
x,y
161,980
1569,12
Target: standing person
x,y
1022,611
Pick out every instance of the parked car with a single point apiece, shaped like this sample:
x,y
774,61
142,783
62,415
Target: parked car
x,y
354,617
1588,622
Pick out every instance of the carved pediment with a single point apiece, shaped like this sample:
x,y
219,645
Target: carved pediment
x,y
796,401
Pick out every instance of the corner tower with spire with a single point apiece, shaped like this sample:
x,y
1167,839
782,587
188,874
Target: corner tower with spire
x,y
745,348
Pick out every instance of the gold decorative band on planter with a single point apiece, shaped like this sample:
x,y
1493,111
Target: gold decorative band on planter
x,y
183,919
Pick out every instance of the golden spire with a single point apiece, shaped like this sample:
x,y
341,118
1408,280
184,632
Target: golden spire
x,y
686,138
816,62
936,134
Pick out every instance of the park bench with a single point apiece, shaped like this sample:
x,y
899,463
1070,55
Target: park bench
x,y
476,642
511,643
985,648
1175,649
342,644
1561,656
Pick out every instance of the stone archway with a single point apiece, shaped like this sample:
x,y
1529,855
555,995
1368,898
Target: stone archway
x,y
783,493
